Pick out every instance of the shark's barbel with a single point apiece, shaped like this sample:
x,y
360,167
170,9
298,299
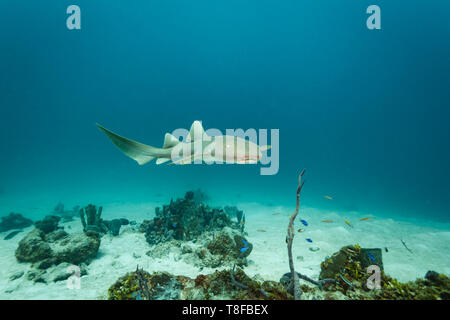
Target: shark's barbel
x,y
198,145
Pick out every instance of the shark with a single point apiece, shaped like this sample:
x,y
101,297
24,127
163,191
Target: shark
x,y
198,147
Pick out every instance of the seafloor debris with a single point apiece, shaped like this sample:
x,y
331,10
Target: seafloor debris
x,y
218,285
14,221
185,220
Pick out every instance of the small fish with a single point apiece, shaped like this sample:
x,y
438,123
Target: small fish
x,y
304,222
245,243
243,249
275,214
346,281
348,223
327,221
404,244
174,225
363,219
328,197
289,217
386,249
299,230
308,239
371,256
242,223
261,230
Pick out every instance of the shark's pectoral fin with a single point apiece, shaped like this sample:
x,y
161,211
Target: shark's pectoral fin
x,y
185,160
162,160
137,151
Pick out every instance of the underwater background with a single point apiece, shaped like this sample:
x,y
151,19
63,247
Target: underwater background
x,y
364,111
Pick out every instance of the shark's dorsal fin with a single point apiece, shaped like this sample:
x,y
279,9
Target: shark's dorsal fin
x,y
196,132
170,141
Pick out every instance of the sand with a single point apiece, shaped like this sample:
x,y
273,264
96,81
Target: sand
x,y
429,242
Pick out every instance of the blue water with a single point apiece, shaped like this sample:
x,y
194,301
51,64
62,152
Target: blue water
x,y
364,111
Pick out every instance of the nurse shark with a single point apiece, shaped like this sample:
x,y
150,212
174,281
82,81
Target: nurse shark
x,y
198,147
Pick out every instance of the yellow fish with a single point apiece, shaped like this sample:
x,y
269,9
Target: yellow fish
x,y
299,230
327,221
241,223
365,219
348,223
328,197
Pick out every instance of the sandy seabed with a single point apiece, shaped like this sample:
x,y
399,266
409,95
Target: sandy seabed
x,y
428,241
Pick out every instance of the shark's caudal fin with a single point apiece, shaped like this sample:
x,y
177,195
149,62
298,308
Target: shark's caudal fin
x,y
135,150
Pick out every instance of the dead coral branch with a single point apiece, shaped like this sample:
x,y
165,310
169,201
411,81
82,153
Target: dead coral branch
x,y
290,238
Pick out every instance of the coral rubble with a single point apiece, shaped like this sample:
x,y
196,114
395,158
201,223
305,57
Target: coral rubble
x,y
347,267
185,220
218,240
218,285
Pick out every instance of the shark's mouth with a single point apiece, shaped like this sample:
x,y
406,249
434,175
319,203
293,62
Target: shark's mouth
x,y
247,159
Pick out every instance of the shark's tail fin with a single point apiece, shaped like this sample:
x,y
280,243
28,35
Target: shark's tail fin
x,y
135,150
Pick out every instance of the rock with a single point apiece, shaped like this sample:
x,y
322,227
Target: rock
x,y
332,267
48,224
14,221
65,270
47,263
56,235
16,275
33,248
368,254
56,247
241,244
36,276
136,256
76,249
432,276
186,249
